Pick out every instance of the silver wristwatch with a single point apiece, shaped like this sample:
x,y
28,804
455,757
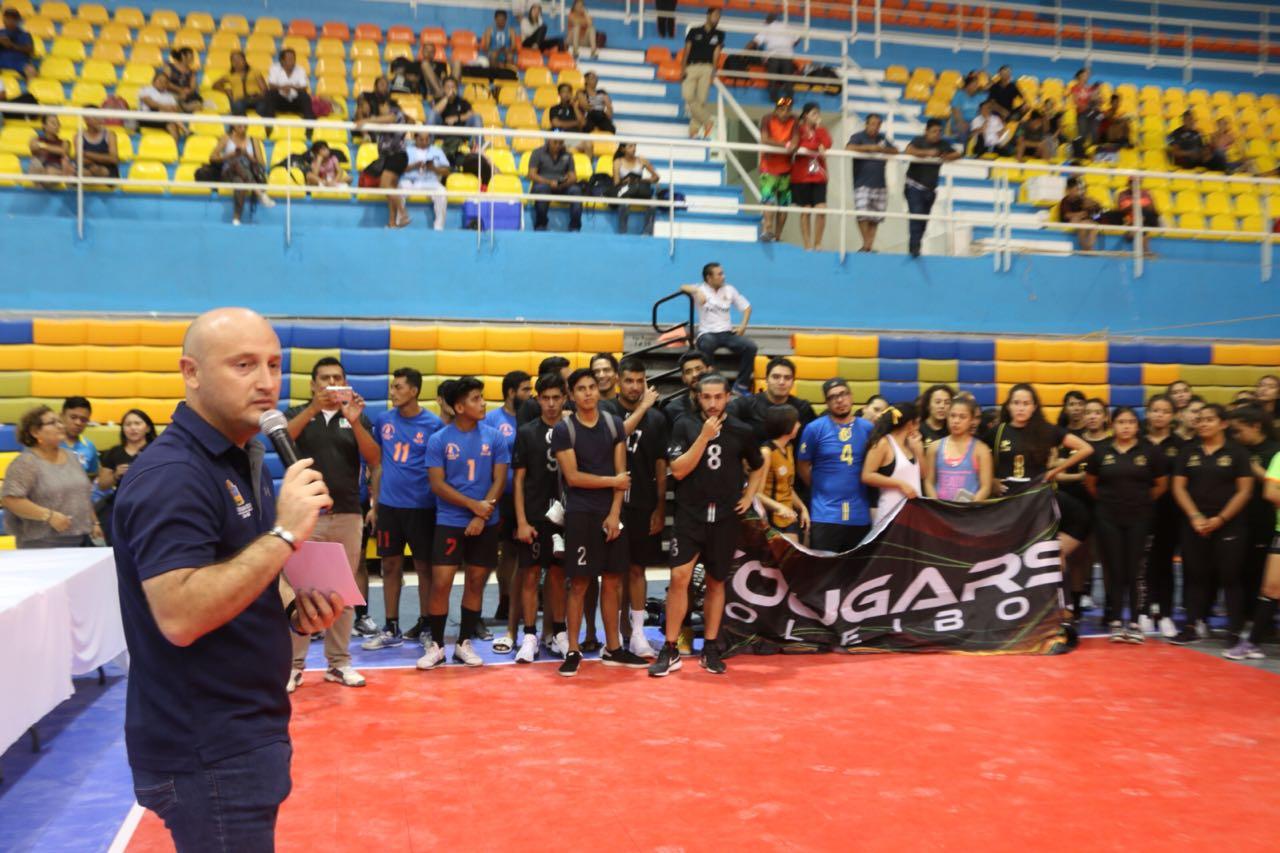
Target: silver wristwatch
x,y
288,538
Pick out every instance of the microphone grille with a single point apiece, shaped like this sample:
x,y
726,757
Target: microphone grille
x,y
272,419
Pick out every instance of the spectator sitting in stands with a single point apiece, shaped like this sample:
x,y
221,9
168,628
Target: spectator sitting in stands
x,y
1188,149
374,102
241,160
582,30
1228,150
1078,207
1033,138
404,77
533,31
159,98
17,47
778,45
567,115
50,154
46,496
987,132
182,79
1123,214
633,177
324,168
392,161
599,109
715,301
426,169
1115,128
452,109
243,86
1052,118
551,172
498,44
1006,94
98,149
288,88
475,163
965,105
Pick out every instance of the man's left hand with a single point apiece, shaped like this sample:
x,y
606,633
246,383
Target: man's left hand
x,y
353,408
741,331
315,611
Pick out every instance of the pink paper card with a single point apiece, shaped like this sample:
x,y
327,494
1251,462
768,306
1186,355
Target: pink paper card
x,y
323,566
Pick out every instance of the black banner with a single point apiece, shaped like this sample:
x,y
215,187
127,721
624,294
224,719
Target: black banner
x,y
939,577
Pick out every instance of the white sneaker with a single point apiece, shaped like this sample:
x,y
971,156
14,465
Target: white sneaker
x,y
1146,625
464,654
528,649
1168,630
347,676
236,221
1117,632
1086,602
640,645
560,645
266,200
1202,628
294,682
432,656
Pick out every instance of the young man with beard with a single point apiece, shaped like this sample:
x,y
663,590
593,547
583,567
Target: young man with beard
x,y
830,463
589,447
707,453
467,463
780,378
537,483
604,366
693,365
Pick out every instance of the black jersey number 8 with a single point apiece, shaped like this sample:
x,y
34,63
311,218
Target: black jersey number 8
x,y
713,456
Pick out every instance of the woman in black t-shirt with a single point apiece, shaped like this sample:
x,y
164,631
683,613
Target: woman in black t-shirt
x,y
1125,475
1212,485
1166,520
935,404
1022,445
136,432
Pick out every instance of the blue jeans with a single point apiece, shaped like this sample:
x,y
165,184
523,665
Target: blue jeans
x,y
230,805
921,202
540,208
744,348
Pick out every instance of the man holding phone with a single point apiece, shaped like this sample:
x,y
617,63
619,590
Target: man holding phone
x,y
333,430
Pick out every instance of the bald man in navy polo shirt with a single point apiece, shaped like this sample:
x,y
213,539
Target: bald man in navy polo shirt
x,y
200,540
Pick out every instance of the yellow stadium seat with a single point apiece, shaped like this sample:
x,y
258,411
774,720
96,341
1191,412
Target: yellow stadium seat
x,y
15,139
87,94
365,50
1193,221
461,186
407,337
98,71
1187,201
198,149
147,54
505,184
108,52
114,33
55,10
71,50
604,165
58,68
330,48
1247,205
57,383
461,339
234,24
93,13
1222,222
187,37
147,170
153,36
124,143
511,94
40,27
545,96
137,75
521,116
897,74
260,43
595,340
130,16
221,41
1216,204
47,92
1251,229
460,363
62,331
9,165
158,147
501,338
186,172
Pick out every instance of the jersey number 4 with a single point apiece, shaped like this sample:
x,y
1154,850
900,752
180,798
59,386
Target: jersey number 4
x,y
846,454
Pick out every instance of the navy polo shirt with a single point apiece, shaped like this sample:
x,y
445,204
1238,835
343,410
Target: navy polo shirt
x,y
192,500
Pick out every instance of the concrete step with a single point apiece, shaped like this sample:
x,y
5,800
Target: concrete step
x,y
619,55
711,205
635,88
976,194
872,91
885,108
1021,221
655,109
659,153
963,171
687,177
616,71
668,129
697,230
985,245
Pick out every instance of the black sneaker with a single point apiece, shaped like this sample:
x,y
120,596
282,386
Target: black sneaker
x,y
589,645
710,660
622,657
570,666
504,607
1186,636
482,631
416,631
668,662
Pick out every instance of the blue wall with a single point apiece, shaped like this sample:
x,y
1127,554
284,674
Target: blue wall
x,y
180,255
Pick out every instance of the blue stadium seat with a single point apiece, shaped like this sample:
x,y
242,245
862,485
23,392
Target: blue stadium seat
x,y
941,349
896,392
15,332
977,371
273,464
899,347
316,335
1179,353
976,350
1126,353
370,387
983,392
8,439
1127,395
284,331
367,362
899,370
364,336
286,357
1124,374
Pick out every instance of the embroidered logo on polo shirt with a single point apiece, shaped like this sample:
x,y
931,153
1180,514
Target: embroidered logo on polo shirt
x,y
1139,460
244,509
1224,461
846,433
452,451
506,430
343,423
1194,461
484,450
388,432
419,438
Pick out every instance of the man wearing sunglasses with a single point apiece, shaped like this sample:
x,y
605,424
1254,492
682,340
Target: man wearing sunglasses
x,y
830,463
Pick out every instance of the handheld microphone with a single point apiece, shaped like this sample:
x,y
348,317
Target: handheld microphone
x,y
275,426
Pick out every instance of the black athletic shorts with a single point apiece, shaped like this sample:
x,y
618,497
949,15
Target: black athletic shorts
x,y
454,548
713,543
507,517
586,551
644,549
837,538
398,526
1076,521
539,552
808,195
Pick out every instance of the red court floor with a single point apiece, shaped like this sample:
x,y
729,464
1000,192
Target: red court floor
x,y
1109,747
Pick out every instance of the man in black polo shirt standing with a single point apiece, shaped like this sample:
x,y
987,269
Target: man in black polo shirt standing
x,y
921,186
698,63
780,378
332,430
200,539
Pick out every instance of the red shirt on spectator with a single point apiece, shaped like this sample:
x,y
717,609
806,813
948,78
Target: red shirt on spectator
x,y
806,169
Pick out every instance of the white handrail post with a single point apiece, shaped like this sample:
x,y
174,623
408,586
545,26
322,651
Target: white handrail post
x,y
950,213
995,225
1057,30
1155,33
1186,55
562,15
960,10
807,18
1088,39
986,36
1264,46
80,180
288,196
640,19
877,28
671,203
1139,249
1268,237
